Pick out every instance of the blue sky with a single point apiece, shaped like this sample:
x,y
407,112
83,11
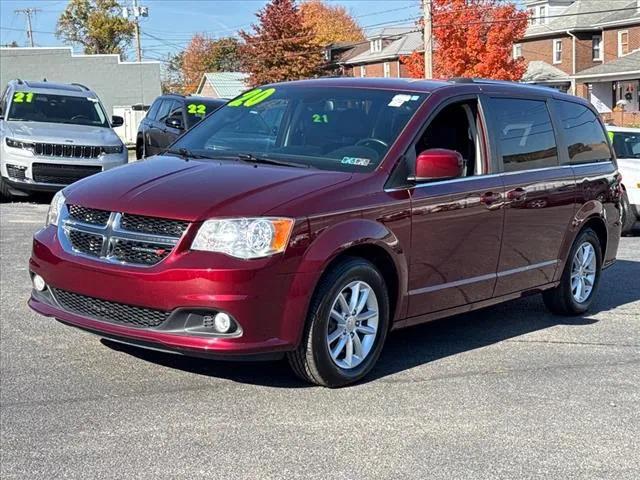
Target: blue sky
x,y
175,21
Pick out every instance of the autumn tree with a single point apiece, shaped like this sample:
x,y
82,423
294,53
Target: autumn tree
x,y
281,46
204,55
97,25
172,78
330,23
473,38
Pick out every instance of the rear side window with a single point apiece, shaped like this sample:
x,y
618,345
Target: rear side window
x,y
153,111
583,132
524,133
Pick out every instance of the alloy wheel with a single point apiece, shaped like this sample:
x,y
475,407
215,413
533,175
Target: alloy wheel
x,y
583,272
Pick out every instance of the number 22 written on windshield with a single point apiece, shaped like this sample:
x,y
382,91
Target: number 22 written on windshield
x,y
21,97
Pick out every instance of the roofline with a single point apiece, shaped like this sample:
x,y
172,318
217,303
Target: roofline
x,y
78,55
615,74
597,26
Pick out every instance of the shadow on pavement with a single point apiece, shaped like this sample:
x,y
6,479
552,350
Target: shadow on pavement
x,y
418,345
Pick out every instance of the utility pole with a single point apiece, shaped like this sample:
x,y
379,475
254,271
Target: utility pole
x,y
136,11
28,12
428,39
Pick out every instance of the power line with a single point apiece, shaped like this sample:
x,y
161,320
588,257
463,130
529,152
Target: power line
x,y
28,12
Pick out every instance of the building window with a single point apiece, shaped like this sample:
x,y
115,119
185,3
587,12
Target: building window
x,y
543,14
363,71
596,44
557,51
623,43
376,45
532,16
517,51
387,70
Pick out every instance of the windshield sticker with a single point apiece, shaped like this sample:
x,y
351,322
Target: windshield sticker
x,y
22,97
361,162
317,118
611,135
399,100
252,98
197,109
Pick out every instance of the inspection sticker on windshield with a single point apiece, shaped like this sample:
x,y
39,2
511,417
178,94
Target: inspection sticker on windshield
x,y
361,162
399,100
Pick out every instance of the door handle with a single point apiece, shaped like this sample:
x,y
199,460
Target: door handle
x,y
489,198
517,195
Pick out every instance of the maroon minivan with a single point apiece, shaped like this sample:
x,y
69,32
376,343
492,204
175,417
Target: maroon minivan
x,y
310,218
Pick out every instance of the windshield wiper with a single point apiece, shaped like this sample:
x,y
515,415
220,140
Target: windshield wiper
x,y
186,153
248,157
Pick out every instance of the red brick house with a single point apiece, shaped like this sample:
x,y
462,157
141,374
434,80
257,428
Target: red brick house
x,y
589,48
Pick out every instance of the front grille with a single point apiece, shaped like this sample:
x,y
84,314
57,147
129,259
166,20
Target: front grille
x,y
89,215
67,151
16,172
109,311
142,253
87,243
62,174
153,225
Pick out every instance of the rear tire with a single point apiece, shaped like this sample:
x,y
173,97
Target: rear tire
x,y
328,331
578,286
628,218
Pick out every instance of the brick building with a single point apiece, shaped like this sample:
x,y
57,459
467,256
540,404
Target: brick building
x,y
590,48
378,56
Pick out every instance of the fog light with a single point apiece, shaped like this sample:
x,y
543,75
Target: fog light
x,y
222,322
38,283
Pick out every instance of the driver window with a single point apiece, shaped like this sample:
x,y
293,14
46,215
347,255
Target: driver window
x,y
457,127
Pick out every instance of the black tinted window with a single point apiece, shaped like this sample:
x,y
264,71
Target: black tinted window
x,y
153,111
583,132
524,133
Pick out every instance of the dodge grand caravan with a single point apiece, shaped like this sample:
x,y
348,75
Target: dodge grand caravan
x,y
310,218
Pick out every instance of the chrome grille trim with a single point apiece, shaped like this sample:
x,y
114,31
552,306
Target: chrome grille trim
x,y
111,233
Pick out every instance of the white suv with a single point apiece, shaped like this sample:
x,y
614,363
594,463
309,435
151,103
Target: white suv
x,y
626,143
53,134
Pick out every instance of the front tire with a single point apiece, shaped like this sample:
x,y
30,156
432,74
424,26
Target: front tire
x,y
346,325
580,279
140,148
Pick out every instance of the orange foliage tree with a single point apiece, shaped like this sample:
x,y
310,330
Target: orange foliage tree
x,y
473,38
330,23
281,46
204,54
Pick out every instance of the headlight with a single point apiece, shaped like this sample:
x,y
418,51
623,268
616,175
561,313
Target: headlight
x,y
13,143
244,237
55,208
113,149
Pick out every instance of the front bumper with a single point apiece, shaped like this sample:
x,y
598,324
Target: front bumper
x,y
268,304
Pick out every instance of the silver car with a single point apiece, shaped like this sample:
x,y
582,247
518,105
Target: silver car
x,y
53,134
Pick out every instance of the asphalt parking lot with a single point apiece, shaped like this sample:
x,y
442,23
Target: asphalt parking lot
x,y
507,392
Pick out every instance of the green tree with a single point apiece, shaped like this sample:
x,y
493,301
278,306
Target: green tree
x,y
204,55
281,46
97,25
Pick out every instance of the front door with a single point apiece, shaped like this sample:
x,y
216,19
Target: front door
x,y
540,193
457,223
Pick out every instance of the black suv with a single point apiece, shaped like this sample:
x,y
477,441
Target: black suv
x,y
168,118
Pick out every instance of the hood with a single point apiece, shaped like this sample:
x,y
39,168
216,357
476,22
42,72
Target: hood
x,y
62,133
170,187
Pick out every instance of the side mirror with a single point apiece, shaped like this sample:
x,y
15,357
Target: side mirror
x,y
174,122
438,164
117,121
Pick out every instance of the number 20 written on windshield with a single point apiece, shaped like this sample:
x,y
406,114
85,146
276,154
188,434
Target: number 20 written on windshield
x,y
252,97
21,97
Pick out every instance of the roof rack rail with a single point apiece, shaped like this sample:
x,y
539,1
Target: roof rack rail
x,y
463,80
81,86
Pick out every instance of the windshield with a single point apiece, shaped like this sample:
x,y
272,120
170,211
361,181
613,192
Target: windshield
x,y
40,107
626,144
332,128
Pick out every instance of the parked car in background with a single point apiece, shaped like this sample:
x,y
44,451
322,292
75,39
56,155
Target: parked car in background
x,y
310,218
52,134
168,118
626,143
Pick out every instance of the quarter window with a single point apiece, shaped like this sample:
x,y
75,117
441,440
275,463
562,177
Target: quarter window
x,y
586,140
524,133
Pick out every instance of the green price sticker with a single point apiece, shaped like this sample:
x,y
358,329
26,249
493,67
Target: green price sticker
x,y
252,97
197,109
317,118
21,97
611,136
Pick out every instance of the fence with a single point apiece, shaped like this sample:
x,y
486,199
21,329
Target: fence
x,y
622,119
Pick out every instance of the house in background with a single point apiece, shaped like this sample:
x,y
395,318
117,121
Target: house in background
x,y
223,84
589,48
378,56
